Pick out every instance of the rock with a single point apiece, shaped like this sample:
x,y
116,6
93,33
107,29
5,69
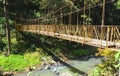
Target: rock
x,y
47,67
52,62
54,69
66,74
39,68
33,68
57,72
27,70
7,74
29,74
118,45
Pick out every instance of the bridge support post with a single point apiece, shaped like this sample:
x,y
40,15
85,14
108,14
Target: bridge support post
x,y
107,37
103,13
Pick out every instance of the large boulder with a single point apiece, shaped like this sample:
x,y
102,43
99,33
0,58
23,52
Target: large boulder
x,y
7,74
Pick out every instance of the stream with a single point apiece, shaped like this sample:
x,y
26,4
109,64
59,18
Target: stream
x,y
68,68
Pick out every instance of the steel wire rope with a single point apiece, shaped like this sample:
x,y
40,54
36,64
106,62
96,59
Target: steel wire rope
x,y
54,11
65,14
48,13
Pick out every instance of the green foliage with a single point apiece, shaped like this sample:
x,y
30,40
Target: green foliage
x,y
80,52
2,20
2,27
33,58
109,66
118,4
96,72
2,32
76,74
13,63
3,40
19,62
117,57
57,50
88,20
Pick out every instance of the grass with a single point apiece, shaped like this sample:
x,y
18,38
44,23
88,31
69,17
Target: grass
x,y
19,62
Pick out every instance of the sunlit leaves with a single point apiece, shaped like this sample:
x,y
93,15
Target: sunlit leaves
x,y
2,20
110,63
118,4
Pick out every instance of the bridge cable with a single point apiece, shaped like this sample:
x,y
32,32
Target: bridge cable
x,y
51,12
54,11
65,14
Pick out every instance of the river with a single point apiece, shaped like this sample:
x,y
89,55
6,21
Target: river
x,y
73,67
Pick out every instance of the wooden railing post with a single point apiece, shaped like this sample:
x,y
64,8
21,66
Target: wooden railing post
x,y
101,35
107,37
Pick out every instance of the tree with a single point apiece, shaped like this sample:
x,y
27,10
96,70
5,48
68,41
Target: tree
x,y
7,27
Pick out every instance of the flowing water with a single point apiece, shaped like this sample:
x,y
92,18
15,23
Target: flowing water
x,y
73,67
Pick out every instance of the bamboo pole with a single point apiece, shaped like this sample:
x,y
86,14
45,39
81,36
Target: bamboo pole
x,y
107,38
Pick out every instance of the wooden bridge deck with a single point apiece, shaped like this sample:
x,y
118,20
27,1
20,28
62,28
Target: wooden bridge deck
x,y
93,41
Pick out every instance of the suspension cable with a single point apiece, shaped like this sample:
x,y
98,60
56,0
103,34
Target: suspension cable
x,y
84,13
57,10
65,14
51,12
89,14
87,7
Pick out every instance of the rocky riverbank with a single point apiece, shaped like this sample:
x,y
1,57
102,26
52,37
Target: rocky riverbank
x,y
67,68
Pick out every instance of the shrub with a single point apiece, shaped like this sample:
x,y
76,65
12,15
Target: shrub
x,y
19,62
109,66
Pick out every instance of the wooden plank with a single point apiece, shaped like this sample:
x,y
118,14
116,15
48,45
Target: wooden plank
x,y
85,40
95,42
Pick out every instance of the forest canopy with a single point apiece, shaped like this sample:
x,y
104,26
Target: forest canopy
x,y
25,9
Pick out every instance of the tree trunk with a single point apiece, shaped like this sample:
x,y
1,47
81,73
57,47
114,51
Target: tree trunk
x,y
7,27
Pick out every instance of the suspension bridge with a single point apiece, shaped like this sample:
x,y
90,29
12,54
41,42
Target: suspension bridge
x,y
103,36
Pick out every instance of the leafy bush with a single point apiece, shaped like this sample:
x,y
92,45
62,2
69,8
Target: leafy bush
x,y
13,62
118,4
33,58
19,62
109,66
